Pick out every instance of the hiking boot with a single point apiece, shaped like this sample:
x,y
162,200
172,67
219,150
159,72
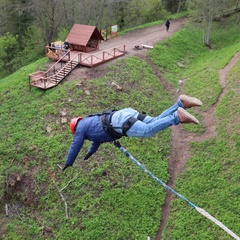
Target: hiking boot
x,y
189,102
186,117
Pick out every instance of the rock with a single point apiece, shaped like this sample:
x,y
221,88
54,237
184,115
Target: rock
x,y
63,112
87,92
180,83
19,178
180,65
63,120
118,88
48,129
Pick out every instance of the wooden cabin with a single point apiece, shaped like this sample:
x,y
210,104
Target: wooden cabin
x,y
84,38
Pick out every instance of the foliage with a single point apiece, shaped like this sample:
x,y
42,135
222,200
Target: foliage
x,y
206,11
211,176
33,47
8,46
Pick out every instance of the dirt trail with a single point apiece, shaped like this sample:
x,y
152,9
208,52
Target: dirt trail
x,y
180,145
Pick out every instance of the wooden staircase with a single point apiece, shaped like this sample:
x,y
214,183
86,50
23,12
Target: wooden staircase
x,y
63,72
54,75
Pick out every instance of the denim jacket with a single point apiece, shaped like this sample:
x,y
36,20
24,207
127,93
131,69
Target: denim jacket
x,y
89,128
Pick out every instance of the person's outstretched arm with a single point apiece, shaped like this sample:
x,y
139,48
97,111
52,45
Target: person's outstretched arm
x,y
93,148
75,148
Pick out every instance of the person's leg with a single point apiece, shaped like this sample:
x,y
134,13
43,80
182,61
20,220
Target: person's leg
x,y
167,112
142,129
152,125
172,116
184,102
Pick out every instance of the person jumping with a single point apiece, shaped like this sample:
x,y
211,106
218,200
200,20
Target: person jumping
x,y
111,125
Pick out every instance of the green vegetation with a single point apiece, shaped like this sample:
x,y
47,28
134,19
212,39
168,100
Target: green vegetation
x,y
110,197
211,178
150,24
110,193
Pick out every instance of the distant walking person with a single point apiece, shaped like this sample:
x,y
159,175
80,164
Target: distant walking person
x,y
167,24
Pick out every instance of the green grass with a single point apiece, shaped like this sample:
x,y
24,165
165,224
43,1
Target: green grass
x,y
111,198
211,177
29,151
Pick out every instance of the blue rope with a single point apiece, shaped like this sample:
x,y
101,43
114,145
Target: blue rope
x,y
200,210
129,155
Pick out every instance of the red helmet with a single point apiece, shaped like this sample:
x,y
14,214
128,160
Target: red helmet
x,y
73,124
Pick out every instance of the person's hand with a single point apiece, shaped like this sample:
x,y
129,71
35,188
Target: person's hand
x,y
117,144
87,156
63,168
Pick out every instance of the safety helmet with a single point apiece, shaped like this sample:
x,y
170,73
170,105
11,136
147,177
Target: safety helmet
x,y
74,123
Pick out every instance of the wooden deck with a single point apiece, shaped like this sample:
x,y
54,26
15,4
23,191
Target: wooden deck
x,y
70,59
98,57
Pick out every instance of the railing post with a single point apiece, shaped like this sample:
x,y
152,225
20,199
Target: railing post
x,y
79,58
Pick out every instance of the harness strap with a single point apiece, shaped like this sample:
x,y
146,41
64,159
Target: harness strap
x,y
141,116
105,119
128,124
106,124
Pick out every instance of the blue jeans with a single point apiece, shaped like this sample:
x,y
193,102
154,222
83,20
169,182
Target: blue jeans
x,y
150,125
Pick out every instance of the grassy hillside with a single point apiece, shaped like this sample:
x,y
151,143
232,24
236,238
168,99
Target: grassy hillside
x,y
108,197
211,178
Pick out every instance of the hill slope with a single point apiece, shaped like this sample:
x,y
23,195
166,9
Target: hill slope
x,y
107,197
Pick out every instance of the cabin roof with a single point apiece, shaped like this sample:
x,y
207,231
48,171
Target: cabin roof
x,y
81,34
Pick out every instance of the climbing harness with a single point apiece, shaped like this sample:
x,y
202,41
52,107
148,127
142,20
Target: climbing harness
x,y
200,210
128,124
106,121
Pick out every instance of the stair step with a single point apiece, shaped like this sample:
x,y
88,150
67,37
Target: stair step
x,y
61,73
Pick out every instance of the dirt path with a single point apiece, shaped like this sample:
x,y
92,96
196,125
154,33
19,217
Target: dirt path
x,y
180,145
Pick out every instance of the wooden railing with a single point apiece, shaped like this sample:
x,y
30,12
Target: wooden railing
x,y
54,66
55,74
92,60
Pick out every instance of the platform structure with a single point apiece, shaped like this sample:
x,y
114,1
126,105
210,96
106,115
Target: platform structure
x,y
68,60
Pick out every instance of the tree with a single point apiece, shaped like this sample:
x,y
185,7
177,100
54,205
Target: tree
x,y
173,6
206,11
9,46
16,17
49,17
